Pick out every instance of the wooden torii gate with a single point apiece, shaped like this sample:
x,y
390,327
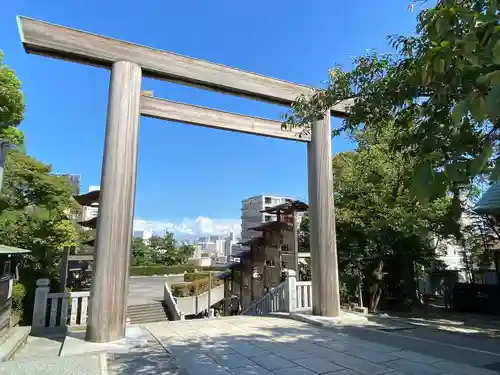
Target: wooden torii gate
x,y
128,64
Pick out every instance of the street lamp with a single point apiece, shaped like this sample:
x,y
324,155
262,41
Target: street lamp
x,y
4,147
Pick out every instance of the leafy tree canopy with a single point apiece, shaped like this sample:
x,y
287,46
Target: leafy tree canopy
x,y
441,90
11,97
160,250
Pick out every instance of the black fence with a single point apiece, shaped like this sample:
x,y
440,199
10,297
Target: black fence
x,y
476,298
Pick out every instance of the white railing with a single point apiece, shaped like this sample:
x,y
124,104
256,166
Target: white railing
x,y
169,300
304,296
274,301
196,304
58,310
290,296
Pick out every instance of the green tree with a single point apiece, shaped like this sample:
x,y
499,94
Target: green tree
x,y
304,246
36,214
36,208
160,250
184,252
441,90
383,231
11,97
141,253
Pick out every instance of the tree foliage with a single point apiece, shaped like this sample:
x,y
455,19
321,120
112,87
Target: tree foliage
x,y
11,97
382,229
160,250
35,213
441,90
36,207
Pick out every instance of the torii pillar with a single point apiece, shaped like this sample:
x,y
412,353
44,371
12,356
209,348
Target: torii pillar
x,y
107,315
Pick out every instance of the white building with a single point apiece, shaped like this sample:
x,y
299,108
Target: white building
x,y
216,247
143,233
251,215
213,246
231,245
89,212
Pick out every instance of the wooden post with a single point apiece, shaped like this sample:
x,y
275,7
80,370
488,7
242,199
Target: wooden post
x,y
63,270
107,318
313,243
324,268
296,244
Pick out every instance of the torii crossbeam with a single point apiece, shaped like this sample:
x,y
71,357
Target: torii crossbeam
x,y
129,63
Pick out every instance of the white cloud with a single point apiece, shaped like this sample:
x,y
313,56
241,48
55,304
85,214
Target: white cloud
x,y
189,227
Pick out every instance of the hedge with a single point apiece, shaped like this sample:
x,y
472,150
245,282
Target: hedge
x,y
169,270
193,276
160,270
194,288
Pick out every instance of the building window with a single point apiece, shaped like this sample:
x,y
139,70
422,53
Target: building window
x,y
267,200
268,218
284,248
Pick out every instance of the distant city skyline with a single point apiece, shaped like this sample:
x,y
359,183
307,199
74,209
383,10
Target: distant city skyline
x,y
190,228
183,229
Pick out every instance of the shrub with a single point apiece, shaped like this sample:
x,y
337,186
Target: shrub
x,y
18,294
194,288
179,290
189,277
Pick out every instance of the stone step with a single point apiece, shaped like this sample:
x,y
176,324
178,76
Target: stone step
x,y
15,338
147,316
141,313
148,320
148,306
147,313
155,308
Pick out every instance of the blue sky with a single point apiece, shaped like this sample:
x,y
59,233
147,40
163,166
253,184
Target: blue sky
x,y
187,172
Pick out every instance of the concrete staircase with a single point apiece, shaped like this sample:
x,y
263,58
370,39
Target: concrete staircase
x,y
148,313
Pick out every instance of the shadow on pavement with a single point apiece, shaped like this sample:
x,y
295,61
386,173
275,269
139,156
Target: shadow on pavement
x,y
202,348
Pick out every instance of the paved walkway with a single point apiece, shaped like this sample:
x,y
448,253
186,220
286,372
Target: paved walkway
x,y
267,346
40,347
148,289
260,346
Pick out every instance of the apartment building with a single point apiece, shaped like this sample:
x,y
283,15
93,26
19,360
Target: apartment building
x,y
251,215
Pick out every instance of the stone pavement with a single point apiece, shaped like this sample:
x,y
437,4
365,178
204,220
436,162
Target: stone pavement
x,y
40,347
245,345
269,345
89,364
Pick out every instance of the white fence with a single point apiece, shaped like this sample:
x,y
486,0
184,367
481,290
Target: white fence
x,y
196,304
54,311
304,296
290,296
276,300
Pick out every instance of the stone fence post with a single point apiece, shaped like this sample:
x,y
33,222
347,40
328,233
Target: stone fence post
x,y
291,291
40,305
